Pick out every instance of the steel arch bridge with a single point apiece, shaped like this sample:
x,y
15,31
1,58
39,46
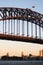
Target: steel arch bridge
x,y
21,25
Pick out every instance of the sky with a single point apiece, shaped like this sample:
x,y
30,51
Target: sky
x,y
15,47
23,4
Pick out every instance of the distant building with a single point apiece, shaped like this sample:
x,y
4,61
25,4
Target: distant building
x,y
7,55
41,52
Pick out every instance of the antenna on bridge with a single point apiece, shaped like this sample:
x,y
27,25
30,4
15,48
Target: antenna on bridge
x,y
33,6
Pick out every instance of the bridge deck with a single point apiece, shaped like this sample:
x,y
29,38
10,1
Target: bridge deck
x,y
20,38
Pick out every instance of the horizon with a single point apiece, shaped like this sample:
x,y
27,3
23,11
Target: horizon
x,y
16,47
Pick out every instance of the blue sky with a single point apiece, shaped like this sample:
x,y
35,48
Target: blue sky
x,y
23,4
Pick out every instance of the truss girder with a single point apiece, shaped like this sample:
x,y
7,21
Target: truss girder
x,y
7,13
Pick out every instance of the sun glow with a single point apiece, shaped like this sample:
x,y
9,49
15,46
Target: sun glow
x,y
15,48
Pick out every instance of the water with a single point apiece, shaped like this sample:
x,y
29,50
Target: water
x,y
21,62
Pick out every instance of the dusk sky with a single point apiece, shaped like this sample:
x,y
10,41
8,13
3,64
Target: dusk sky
x,y
15,47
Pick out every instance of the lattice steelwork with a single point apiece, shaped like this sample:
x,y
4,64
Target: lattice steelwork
x,y
21,24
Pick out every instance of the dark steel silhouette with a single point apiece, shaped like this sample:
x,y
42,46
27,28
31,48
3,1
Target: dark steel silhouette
x,y
18,20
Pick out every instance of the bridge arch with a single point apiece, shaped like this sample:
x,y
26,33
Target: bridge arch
x,y
21,21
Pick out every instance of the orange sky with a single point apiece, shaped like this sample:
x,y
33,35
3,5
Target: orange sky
x,y
15,48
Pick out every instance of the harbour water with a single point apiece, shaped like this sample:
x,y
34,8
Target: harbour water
x,y
21,62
